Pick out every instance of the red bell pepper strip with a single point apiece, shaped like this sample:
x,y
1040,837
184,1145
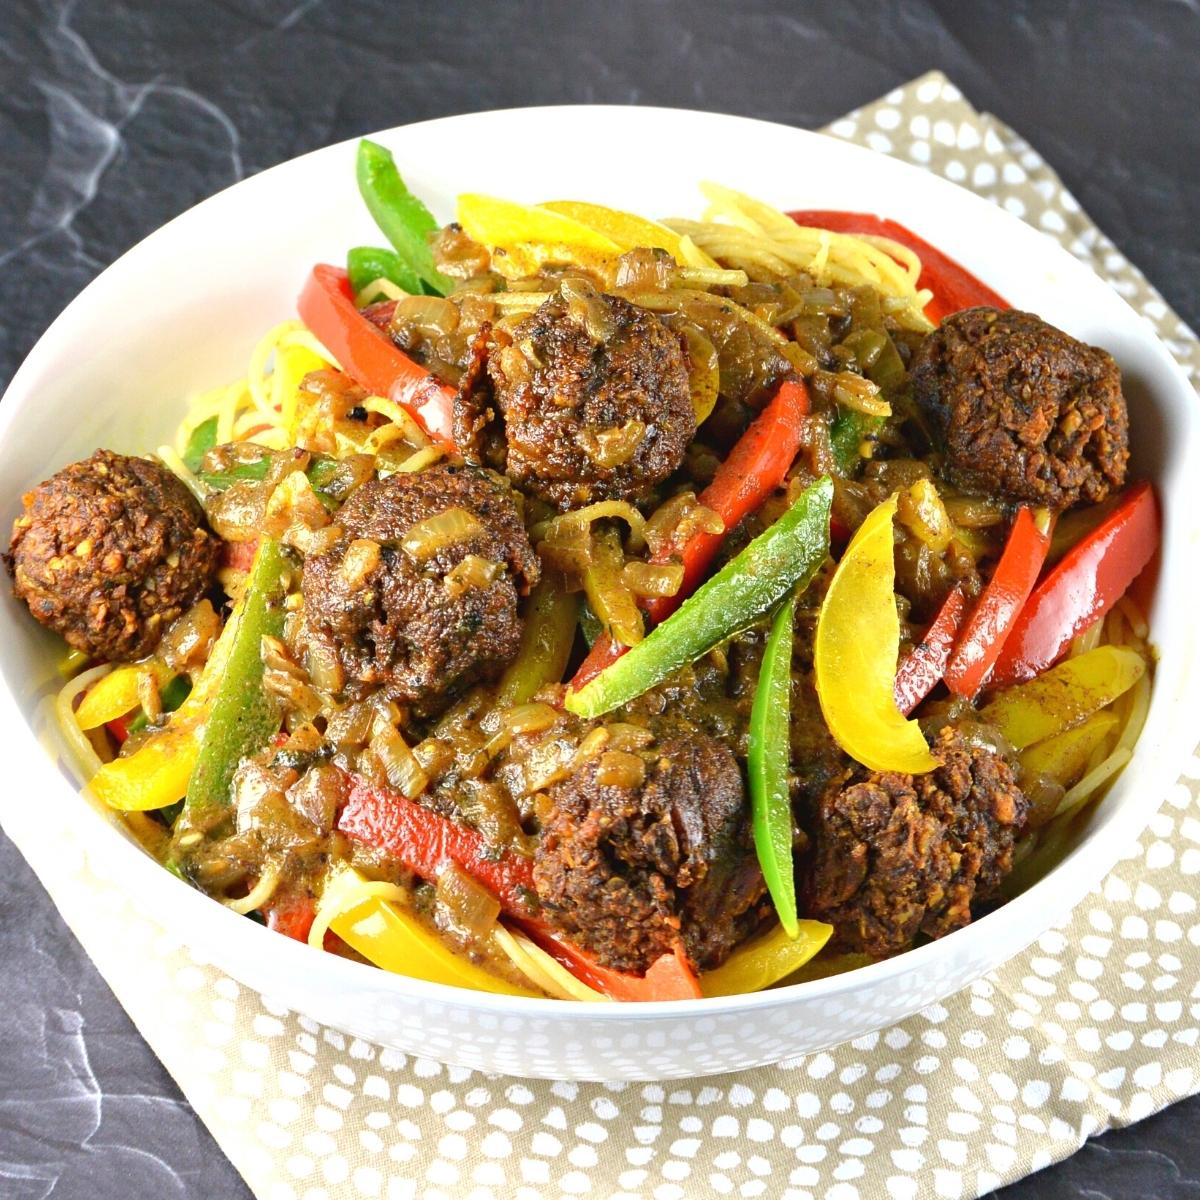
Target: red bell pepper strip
x,y
1091,577
424,841
756,466
291,915
997,609
119,727
368,355
604,651
925,663
952,285
668,978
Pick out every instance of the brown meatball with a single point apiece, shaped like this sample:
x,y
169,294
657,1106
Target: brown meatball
x,y
1023,410
109,552
642,848
593,410
896,855
423,609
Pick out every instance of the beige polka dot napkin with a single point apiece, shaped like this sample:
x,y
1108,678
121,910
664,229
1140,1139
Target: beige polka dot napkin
x,y
1095,1026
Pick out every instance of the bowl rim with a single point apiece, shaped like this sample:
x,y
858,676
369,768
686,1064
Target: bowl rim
x,y
1032,912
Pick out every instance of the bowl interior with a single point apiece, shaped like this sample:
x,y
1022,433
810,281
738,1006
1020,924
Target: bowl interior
x,y
182,310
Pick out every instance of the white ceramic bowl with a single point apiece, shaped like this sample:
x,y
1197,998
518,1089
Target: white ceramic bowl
x,y
181,311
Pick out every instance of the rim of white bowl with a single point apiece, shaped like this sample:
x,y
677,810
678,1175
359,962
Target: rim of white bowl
x,y
1032,912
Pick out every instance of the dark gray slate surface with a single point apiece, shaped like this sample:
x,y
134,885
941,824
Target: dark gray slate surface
x,y
115,116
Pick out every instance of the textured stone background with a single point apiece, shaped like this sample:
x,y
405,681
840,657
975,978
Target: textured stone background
x,y
116,116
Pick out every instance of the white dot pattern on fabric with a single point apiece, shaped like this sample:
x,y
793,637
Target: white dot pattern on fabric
x,y
1094,1025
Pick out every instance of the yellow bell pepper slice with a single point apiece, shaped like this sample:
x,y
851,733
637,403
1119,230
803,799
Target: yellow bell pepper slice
x,y
153,776
855,653
827,965
1065,696
117,693
530,237
766,960
1064,757
627,230
157,773
394,940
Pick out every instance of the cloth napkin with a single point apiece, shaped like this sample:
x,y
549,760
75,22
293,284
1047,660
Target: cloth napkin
x,y
1094,1026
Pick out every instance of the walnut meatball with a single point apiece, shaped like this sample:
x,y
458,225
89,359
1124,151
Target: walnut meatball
x,y
419,594
643,849
109,551
595,400
895,855
1022,410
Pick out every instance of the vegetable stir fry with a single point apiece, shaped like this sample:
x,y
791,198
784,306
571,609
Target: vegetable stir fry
x,y
580,605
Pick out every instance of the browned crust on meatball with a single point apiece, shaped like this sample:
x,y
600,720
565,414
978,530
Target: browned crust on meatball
x,y
895,855
109,551
399,626
558,389
627,870
1022,409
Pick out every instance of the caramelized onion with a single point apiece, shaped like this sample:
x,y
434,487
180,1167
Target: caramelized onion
x,y
426,538
624,736
652,579
464,903
472,573
189,639
324,669
645,268
431,315
676,520
920,508
588,308
404,772
528,718
350,727
361,558
581,518
972,513
613,447
547,763
619,768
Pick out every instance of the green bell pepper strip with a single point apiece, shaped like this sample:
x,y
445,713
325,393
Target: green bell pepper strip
x,y
768,765
786,555
365,264
589,625
404,220
172,696
202,439
321,472
243,717
846,434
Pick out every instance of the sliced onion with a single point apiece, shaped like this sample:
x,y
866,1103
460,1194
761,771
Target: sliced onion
x,y
609,448
652,579
473,573
404,772
587,307
676,520
428,314
620,769
468,906
448,528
